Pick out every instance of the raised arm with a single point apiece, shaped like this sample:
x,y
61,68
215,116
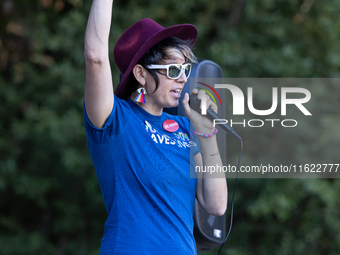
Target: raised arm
x,y
98,88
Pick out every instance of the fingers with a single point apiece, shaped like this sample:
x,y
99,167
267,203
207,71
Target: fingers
x,y
194,91
201,95
185,103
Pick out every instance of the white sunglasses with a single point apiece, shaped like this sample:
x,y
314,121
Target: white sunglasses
x,y
173,71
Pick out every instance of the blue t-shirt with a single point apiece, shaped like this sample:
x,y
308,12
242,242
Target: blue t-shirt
x,y
144,176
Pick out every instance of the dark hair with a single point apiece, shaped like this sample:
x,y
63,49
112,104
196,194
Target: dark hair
x,y
161,51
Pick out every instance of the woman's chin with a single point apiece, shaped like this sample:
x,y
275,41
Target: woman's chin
x,y
174,103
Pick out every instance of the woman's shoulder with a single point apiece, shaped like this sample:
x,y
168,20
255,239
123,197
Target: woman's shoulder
x,y
120,101
121,106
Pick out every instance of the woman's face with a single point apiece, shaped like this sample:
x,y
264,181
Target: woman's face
x,y
168,91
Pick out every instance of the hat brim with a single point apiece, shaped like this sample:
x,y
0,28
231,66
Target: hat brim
x,y
183,31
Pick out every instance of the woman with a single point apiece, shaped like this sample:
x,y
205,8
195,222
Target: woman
x,y
142,155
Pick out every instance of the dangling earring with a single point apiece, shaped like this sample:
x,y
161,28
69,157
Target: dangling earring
x,y
140,97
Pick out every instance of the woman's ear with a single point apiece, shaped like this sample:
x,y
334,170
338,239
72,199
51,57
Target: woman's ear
x,y
140,74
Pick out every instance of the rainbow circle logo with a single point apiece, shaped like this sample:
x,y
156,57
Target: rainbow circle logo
x,y
209,93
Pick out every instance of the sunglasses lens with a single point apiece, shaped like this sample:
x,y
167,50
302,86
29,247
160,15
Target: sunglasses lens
x,y
187,69
174,71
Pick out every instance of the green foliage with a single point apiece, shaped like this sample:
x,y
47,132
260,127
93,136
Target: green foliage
x,y
50,200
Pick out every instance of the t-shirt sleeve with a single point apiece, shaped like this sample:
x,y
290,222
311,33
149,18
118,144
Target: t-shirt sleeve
x,y
114,124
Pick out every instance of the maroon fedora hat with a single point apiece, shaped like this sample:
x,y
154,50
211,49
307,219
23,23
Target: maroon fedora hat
x,y
138,39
